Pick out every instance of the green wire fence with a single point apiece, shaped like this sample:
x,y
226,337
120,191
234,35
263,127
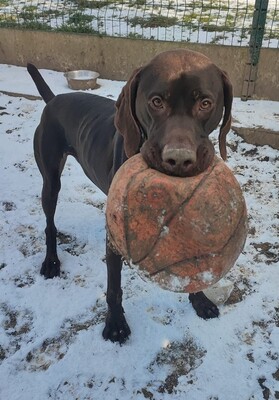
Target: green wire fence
x,y
253,23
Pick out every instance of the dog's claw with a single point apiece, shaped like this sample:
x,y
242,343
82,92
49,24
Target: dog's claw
x,y
203,306
50,269
116,328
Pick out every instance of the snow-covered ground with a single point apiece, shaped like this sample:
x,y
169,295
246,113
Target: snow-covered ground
x,y
51,345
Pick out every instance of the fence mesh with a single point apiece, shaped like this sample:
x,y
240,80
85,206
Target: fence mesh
x,y
226,22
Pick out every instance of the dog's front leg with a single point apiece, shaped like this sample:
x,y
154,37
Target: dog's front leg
x,y
116,328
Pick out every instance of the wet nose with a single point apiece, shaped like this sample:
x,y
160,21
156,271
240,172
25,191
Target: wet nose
x,y
178,159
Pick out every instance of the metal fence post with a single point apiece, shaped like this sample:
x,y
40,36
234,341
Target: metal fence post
x,y
255,44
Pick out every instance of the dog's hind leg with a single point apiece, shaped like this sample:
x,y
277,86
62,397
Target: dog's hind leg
x,y
50,160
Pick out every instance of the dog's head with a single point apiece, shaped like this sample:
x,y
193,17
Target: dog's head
x,y
169,107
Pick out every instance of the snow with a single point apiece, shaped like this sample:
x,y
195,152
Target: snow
x,y
51,344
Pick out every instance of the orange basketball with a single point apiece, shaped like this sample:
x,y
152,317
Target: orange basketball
x,y
183,233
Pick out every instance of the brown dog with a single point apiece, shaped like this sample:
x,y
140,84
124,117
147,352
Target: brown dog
x,y
166,111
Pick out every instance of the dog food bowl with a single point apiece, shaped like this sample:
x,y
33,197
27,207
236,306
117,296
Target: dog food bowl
x,y
82,79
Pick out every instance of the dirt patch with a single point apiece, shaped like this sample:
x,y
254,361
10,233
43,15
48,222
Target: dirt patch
x,y
177,359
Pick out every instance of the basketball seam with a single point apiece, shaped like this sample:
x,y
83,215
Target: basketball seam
x,y
185,201
203,255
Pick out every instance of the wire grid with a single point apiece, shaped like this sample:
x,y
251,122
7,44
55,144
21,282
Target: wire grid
x,y
226,22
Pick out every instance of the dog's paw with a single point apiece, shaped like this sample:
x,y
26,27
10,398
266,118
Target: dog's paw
x,y
116,327
203,306
50,268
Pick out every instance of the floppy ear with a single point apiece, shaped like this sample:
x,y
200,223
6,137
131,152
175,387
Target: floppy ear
x,y
125,118
227,119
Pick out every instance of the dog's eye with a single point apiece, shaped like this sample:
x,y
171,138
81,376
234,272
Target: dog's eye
x,y
205,104
157,102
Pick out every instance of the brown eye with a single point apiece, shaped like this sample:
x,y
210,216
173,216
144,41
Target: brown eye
x,y
157,102
205,104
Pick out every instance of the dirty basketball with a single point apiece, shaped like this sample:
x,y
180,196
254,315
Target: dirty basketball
x,y
183,233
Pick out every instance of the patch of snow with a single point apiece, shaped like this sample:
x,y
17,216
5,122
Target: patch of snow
x,y
51,344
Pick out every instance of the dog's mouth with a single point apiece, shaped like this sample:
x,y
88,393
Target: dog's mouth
x,y
187,167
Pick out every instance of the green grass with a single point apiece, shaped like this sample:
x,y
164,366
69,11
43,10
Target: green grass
x,y
190,18
154,21
217,39
77,29
94,4
8,18
134,35
36,25
80,19
50,13
138,3
8,21
272,35
28,13
31,13
217,28
78,23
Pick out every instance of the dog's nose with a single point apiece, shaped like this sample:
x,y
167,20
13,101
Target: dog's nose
x,y
178,160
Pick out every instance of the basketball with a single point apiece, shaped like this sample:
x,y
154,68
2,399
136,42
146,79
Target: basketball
x,y
183,233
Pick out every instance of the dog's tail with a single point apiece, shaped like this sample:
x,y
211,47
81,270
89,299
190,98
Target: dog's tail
x,y
40,83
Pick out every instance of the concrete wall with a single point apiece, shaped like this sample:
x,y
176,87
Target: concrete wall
x,y
115,58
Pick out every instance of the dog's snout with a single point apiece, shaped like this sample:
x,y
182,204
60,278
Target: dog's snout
x,y
178,160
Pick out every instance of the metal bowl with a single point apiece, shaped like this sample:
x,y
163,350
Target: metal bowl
x,y
82,79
